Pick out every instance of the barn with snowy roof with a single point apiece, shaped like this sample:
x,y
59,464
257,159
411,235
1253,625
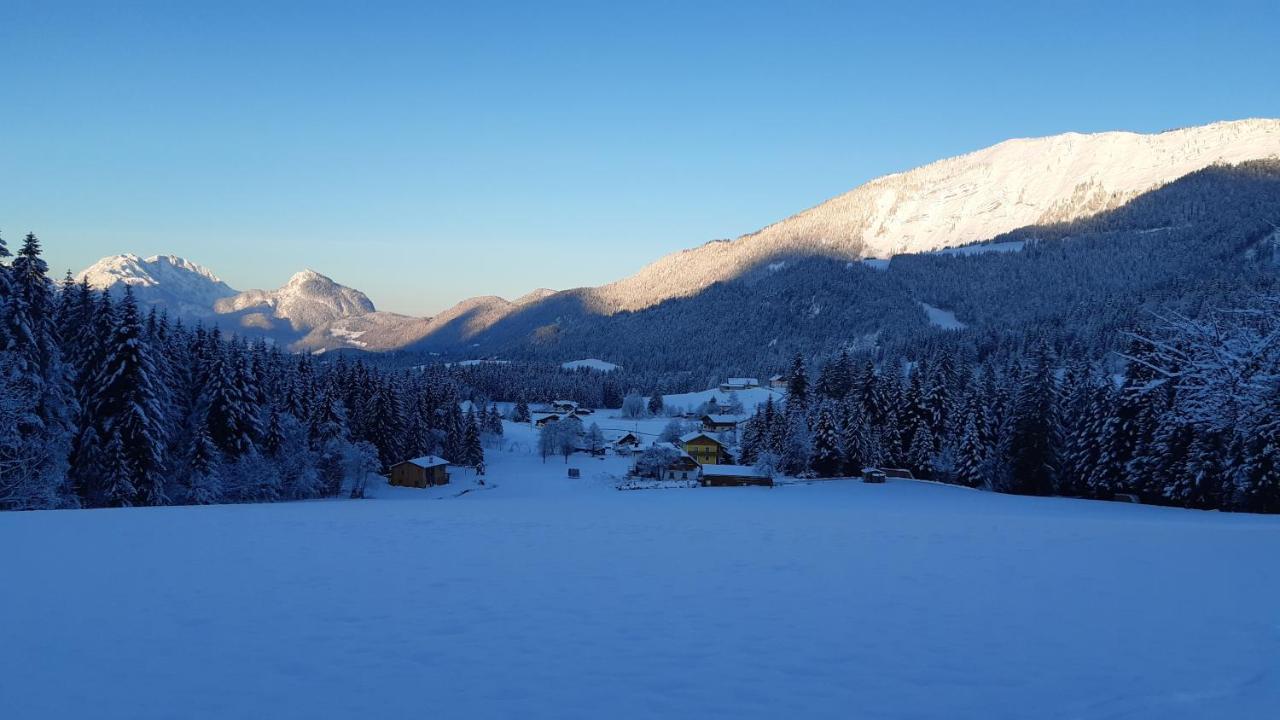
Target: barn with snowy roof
x,y
420,472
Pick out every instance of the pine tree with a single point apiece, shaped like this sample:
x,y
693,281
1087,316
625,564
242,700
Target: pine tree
x,y
88,359
204,469
1128,428
794,440
455,433
753,436
232,416
1200,485
920,452
1255,480
1172,450
118,474
656,403
798,384
37,374
1032,456
856,442
971,455
473,451
610,397
493,421
520,414
273,435
827,459
129,413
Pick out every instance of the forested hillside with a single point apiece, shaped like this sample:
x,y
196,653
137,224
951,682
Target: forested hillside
x,y
1207,238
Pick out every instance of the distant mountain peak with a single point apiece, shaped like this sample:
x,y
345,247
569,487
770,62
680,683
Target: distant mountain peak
x,y
181,285
308,275
534,296
309,299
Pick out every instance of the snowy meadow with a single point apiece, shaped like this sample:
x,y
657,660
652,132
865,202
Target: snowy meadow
x,y
540,596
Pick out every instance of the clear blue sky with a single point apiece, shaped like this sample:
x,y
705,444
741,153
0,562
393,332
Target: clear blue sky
x,y
424,155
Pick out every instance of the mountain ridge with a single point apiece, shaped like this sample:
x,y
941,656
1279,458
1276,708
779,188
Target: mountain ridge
x,y
951,202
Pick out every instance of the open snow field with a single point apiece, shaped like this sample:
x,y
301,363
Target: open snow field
x,y
541,596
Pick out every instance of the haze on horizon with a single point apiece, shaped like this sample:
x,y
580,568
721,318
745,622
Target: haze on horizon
x,y
428,155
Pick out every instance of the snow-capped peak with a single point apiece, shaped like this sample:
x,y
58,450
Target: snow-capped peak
x,y
307,300
307,275
129,269
181,285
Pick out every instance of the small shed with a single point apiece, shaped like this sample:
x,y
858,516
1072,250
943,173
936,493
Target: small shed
x,y
734,475
872,475
420,472
628,440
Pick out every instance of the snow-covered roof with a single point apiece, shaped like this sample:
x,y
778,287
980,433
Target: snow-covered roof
x,y
724,419
688,437
733,470
742,381
428,461
570,403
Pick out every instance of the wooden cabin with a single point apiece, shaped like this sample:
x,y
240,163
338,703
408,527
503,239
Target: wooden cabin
x,y
682,467
704,448
630,441
564,406
720,423
734,476
778,382
739,384
872,475
420,472
541,419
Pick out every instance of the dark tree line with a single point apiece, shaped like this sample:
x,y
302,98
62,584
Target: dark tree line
x,y
1192,420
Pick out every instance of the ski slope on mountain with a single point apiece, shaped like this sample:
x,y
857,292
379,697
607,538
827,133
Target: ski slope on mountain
x,y
540,596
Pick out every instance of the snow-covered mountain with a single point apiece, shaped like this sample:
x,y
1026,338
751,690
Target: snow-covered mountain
x,y
308,304
307,301
176,284
960,200
950,203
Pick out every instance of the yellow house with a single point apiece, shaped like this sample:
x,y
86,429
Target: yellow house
x,y
704,449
